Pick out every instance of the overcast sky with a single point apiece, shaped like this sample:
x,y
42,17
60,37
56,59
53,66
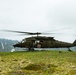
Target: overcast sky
x,y
38,16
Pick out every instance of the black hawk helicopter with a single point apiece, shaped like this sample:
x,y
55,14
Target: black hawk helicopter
x,y
41,41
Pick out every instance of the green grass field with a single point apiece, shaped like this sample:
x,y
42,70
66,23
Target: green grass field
x,y
38,63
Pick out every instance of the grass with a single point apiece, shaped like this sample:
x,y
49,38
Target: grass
x,y
38,63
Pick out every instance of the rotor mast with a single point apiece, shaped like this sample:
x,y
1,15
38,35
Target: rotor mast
x,y
37,34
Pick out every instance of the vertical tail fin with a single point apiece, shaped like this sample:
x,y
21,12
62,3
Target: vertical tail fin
x,y
74,43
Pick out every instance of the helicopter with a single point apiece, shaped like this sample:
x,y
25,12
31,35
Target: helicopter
x,y
41,41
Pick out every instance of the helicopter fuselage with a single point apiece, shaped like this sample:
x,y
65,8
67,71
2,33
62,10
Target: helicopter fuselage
x,y
43,42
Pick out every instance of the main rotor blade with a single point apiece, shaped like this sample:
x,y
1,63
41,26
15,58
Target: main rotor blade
x,y
29,33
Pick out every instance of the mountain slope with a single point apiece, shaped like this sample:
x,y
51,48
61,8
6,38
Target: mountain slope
x,y
7,45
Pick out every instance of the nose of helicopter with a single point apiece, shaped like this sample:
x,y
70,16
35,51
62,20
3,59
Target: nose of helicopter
x,y
20,45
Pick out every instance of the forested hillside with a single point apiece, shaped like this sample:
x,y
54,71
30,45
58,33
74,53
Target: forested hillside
x,y
6,45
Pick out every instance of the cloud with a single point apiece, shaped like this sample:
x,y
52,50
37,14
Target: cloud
x,y
63,13
24,13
